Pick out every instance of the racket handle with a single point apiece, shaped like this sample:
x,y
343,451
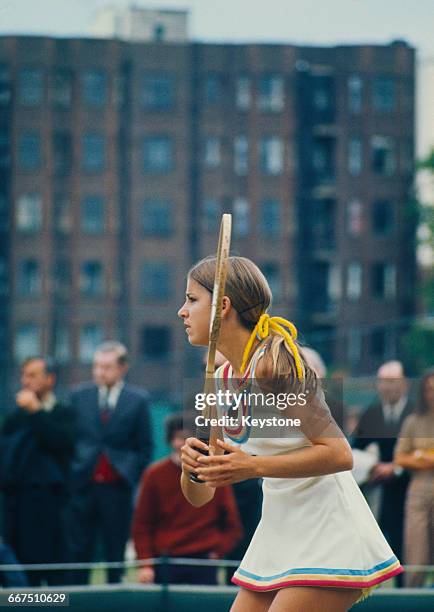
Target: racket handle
x,y
193,476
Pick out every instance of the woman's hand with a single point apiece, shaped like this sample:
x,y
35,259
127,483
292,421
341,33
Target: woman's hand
x,y
190,454
222,470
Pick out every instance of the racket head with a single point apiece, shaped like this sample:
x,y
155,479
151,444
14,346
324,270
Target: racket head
x,y
222,264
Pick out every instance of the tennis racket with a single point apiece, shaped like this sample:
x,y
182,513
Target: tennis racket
x,y
209,435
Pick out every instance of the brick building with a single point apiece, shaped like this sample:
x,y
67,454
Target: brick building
x,y
118,158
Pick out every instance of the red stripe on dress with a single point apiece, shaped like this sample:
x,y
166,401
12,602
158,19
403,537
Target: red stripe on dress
x,y
354,584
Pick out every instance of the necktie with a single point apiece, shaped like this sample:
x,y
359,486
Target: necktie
x,y
104,406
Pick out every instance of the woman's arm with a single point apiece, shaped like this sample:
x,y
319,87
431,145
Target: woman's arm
x,y
417,460
195,493
328,454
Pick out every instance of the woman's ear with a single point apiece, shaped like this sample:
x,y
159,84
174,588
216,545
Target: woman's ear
x,y
226,305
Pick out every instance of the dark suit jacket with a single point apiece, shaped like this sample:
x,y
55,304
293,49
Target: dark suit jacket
x,y
372,428
37,448
126,439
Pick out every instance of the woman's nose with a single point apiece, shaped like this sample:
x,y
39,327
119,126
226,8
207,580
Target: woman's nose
x,y
181,312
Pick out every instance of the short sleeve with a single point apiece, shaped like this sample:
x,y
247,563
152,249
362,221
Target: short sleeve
x,y
405,443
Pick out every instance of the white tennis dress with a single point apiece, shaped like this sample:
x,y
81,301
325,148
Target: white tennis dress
x,y
315,531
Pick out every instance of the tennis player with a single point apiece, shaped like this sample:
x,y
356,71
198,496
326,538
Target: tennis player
x,y
317,546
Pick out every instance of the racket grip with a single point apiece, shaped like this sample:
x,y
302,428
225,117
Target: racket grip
x,y
193,476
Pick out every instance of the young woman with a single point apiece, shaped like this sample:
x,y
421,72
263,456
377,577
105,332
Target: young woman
x,y
317,546
415,452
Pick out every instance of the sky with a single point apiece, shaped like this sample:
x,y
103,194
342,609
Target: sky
x,y
289,21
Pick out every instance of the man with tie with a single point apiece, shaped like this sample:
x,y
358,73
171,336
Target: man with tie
x,y
381,423
114,445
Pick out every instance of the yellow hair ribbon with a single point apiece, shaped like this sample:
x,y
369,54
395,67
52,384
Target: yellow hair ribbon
x,y
278,324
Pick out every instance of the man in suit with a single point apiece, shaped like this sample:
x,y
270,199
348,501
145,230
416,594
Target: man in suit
x,y
37,445
113,447
381,423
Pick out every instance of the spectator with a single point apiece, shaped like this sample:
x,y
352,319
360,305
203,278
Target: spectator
x,y
11,578
166,524
415,451
113,446
381,423
37,446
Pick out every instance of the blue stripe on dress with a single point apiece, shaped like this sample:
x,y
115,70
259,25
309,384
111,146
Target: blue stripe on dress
x,y
320,570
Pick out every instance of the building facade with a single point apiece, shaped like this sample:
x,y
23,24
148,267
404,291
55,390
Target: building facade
x,y
117,160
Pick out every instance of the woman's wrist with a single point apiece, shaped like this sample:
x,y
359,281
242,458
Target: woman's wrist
x,y
257,467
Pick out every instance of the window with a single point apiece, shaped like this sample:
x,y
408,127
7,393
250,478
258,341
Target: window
x,y
212,88
30,86
93,154
378,342
27,341
323,159
91,278
271,155
62,277
5,85
272,274
354,281
157,154
92,215
243,94
323,93
383,155
29,213
159,32
382,217
4,213
157,217
354,345
354,218
4,276
61,87
319,287
62,214
271,93
95,88
212,152
30,151
355,93
90,338
384,97
355,156
157,92
241,217
271,221
62,346
62,153
322,225
155,281
29,278
241,155
155,342
383,280
212,212
334,285
5,150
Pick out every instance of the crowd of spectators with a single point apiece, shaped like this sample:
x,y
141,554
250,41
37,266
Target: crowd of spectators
x,y
77,482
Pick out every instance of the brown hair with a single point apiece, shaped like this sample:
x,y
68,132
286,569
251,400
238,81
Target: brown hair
x,y
422,405
250,295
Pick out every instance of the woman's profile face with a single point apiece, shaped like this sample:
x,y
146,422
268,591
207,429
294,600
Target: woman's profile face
x,y
196,312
